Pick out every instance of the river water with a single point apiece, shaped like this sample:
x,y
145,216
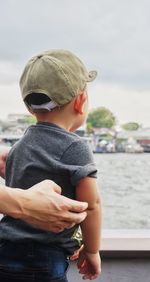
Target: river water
x,y
124,183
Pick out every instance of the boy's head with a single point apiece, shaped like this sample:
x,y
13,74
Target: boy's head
x,y
52,79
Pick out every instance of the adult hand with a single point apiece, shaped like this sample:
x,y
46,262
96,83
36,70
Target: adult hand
x,y
44,207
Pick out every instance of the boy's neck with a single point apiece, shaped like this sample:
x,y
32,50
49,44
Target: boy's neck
x,y
60,120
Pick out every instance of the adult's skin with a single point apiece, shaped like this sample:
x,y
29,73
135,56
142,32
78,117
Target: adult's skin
x,y
42,205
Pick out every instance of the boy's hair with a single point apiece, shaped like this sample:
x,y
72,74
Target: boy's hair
x,y
57,74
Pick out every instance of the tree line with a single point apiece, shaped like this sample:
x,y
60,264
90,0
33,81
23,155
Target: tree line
x,y
103,118
100,117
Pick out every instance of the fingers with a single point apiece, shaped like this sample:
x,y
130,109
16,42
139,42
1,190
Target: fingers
x,y
60,226
88,273
74,218
77,253
89,277
86,268
56,211
55,227
76,206
45,226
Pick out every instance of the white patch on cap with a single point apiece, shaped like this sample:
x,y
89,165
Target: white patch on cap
x,y
45,106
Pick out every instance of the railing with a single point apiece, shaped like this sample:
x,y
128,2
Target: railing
x,y
126,239
125,243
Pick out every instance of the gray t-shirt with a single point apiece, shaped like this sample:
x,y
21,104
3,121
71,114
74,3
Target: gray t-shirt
x,y
46,151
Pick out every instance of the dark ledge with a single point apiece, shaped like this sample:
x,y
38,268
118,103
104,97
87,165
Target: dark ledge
x,y
125,254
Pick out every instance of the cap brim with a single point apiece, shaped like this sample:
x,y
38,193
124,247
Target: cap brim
x,y
92,75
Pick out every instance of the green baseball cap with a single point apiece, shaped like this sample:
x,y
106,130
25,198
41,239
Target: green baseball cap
x,y
59,74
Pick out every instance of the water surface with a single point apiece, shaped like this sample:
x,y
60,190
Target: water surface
x,y
124,181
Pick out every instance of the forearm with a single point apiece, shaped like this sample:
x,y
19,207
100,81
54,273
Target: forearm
x,y
87,190
42,206
91,229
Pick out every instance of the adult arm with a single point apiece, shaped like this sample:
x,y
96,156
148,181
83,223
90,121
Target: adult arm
x,y
42,206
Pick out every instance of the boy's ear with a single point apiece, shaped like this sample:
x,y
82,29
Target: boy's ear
x,y
79,103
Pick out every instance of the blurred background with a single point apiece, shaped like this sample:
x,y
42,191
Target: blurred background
x,y
112,37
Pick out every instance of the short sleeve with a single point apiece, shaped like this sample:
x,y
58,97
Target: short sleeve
x,y
79,161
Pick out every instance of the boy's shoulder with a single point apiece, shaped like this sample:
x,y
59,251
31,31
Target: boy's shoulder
x,y
78,149
44,128
54,138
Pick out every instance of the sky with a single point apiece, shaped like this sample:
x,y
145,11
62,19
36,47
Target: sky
x,y
110,36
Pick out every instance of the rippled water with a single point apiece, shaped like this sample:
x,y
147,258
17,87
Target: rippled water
x,y
124,181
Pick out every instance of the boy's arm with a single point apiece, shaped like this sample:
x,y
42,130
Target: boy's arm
x,y
87,190
89,260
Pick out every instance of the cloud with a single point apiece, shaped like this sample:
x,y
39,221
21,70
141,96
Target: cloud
x,y
9,72
127,104
111,36
10,100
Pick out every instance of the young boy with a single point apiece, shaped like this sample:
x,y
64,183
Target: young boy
x,y
54,89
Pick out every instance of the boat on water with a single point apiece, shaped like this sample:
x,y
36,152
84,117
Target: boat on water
x,y
132,146
104,146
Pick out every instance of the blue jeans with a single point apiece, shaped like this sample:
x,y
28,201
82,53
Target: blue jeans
x,y
30,262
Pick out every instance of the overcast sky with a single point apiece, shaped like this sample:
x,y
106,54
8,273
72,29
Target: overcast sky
x,y
111,36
